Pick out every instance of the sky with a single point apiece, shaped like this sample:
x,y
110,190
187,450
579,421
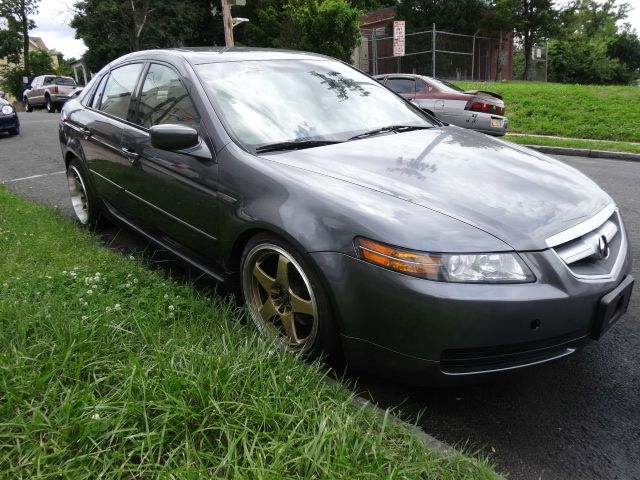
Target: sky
x,y
52,25
54,16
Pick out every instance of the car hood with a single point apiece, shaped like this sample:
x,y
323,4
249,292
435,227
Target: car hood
x,y
517,195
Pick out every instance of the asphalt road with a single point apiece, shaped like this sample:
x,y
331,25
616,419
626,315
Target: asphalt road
x,y
574,419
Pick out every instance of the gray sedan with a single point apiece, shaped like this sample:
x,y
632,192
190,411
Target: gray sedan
x,y
352,224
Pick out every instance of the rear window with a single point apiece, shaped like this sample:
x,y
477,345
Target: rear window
x,y
402,85
65,81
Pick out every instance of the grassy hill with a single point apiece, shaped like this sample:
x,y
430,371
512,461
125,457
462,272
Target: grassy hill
x,y
578,111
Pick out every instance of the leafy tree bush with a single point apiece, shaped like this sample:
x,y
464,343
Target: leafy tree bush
x,y
591,49
40,63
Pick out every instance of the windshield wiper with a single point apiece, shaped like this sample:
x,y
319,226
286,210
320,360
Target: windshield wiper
x,y
299,145
389,129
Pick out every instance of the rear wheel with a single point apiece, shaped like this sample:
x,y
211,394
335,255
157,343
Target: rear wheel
x,y
285,299
83,199
50,106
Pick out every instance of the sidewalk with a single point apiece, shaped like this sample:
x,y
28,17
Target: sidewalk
x,y
580,147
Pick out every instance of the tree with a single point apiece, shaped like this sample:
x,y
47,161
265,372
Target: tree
x,y
591,49
17,14
111,28
532,21
10,39
323,26
39,63
459,16
626,49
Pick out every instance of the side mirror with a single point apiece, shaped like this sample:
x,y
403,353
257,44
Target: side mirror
x,y
173,137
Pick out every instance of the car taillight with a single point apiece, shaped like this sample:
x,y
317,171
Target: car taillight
x,y
54,89
476,104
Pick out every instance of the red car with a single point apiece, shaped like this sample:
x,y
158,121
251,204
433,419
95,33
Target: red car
x,y
476,109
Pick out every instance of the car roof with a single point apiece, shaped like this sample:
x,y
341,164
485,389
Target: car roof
x,y
405,75
202,55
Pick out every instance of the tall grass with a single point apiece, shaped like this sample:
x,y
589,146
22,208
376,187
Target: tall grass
x,y
109,370
577,111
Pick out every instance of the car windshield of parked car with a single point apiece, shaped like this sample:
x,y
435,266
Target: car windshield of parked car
x,y
268,102
65,81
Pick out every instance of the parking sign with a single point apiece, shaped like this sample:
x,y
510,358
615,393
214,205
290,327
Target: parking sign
x,y
398,38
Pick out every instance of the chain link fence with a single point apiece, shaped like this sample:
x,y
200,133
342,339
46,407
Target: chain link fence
x,y
438,54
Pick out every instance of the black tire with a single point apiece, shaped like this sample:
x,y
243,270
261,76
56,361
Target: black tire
x,y
14,131
49,105
315,333
27,105
83,199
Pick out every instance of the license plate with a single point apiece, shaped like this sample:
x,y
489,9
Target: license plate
x,y
496,123
612,306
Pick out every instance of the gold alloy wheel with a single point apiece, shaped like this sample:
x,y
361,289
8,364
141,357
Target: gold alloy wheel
x,y
78,194
279,296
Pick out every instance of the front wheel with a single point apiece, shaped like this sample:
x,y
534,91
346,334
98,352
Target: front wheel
x,y
27,105
83,200
285,299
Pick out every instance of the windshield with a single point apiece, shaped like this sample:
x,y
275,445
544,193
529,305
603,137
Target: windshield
x,y
65,81
267,102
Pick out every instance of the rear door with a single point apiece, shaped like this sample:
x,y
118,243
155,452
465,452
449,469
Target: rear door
x,y
174,191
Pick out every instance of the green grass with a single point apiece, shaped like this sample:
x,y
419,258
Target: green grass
x,y
575,143
109,370
577,111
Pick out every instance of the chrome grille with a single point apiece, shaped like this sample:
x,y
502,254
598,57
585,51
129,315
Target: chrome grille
x,y
587,245
598,249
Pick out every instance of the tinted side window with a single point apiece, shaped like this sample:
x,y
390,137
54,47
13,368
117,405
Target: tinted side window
x,y
48,80
402,85
420,85
97,98
119,88
164,99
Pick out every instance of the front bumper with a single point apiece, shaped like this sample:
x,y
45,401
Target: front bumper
x,y
9,122
401,325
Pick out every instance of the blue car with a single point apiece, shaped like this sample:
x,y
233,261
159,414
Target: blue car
x,y
9,121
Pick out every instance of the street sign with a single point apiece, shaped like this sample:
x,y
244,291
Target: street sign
x,y
398,38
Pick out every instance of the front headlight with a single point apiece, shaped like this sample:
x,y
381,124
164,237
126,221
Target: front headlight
x,y
7,110
447,267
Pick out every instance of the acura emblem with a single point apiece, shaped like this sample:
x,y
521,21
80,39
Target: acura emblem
x,y
603,247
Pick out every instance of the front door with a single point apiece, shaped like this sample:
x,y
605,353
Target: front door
x,y
174,192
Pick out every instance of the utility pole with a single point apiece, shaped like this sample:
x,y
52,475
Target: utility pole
x,y
228,23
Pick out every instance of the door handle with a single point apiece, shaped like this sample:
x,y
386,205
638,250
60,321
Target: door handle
x,y
85,132
132,156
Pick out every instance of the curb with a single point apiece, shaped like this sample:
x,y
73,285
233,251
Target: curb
x,y
585,152
430,442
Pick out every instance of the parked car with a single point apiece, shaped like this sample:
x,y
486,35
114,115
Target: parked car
x,y
349,221
9,121
48,91
475,109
